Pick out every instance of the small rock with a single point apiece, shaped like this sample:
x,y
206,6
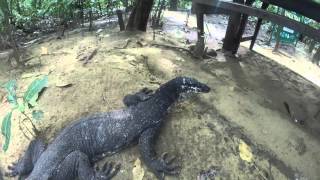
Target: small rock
x,y
99,31
180,59
212,52
298,144
209,174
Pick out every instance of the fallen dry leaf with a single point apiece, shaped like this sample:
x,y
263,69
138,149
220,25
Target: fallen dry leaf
x,y
245,151
44,51
137,171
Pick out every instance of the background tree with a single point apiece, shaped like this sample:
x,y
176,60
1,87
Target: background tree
x,y
173,5
139,16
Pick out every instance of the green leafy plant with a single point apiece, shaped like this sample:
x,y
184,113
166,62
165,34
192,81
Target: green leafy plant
x,y
29,101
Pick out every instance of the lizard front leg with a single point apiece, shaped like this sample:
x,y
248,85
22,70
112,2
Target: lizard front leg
x,y
161,166
77,165
26,163
133,99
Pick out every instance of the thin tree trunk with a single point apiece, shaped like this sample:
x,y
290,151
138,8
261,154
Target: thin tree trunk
x,y
173,5
6,14
271,34
125,4
312,45
39,4
81,12
6,33
120,20
279,29
18,7
100,8
162,5
90,19
316,57
139,16
154,17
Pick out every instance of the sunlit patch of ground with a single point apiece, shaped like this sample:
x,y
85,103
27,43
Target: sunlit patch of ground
x,y
298,64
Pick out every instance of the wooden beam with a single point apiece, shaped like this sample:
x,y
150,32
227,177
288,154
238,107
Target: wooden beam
x,y
258,25
281,20
308,8
248,38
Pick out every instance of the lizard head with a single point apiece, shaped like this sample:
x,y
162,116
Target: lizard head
x,y
190,85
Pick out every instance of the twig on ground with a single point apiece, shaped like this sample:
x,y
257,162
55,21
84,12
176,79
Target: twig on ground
x,y
259,171
172,47
86,59
21,129
125,46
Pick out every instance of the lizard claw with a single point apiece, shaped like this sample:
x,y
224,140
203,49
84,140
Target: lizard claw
x,y
146,91
13,170
164,166
108,171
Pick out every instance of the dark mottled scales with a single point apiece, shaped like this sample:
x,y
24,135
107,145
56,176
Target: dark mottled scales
x,y
80,144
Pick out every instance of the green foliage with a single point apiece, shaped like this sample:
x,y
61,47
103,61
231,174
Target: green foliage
x,y
185,4
6,130
11,90
37,115
31,95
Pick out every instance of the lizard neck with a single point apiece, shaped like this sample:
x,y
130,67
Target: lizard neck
x,y
166,95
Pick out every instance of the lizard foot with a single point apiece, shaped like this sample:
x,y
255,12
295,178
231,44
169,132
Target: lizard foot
x,y
107,172
13,170
146,91
165,165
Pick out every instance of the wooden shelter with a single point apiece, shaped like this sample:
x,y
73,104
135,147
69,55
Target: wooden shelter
x,y
239,10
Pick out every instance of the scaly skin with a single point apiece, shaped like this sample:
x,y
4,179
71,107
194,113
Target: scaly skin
x,y
71,154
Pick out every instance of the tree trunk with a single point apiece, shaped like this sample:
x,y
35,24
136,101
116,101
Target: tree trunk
x,y
312,45
279,29
6,14
160,12
138,19
100,8
271,34
81,12
125,4
90,19
173,5
316,57
120,20
6,32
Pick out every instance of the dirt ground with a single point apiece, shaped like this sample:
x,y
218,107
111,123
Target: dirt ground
x,y
245,104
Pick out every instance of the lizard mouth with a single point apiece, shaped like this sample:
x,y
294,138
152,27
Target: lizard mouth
x,y
205,88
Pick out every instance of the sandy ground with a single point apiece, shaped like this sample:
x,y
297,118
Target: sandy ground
x,y
245,104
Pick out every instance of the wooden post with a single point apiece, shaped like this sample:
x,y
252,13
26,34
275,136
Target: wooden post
x,y
229,42
258,25
242,27
231,8
199,49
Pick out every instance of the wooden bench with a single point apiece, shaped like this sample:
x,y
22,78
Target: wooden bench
x,y
240,10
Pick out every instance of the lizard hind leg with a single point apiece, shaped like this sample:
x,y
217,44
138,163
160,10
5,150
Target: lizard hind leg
x,y
77,165
26,163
